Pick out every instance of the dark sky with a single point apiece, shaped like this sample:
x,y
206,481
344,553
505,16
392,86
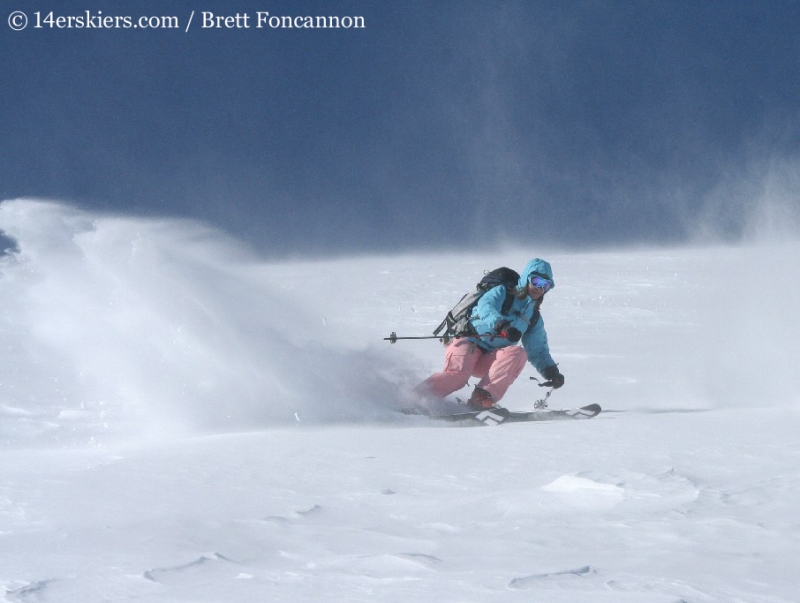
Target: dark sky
x,y
440,124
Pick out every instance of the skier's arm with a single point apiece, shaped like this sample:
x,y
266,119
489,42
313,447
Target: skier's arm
x,y
535,343
487,312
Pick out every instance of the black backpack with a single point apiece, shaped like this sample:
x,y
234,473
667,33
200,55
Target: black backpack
x,y
456,323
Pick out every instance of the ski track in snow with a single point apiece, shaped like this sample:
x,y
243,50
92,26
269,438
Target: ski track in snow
x,y
244,446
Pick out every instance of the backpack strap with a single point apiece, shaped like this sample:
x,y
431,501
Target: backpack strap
x,y
508,301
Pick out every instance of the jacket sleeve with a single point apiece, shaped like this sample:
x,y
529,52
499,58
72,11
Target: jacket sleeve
x,y
487,311
535,343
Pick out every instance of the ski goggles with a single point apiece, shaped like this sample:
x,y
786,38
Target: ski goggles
x,y
540,282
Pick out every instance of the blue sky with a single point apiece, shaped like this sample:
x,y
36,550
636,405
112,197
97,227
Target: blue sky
x,y
438,125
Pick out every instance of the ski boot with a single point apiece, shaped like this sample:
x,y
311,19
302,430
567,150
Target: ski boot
x,y
480,400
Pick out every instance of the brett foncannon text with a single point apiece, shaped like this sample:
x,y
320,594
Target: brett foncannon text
x,y
263,20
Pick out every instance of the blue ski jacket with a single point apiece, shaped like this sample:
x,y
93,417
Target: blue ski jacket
x,y
522,315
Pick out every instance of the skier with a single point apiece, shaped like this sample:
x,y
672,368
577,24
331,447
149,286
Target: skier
x,y
493,353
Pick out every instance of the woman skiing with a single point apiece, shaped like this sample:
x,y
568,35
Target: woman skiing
x,y
491,352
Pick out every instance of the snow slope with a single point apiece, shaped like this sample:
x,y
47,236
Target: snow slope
x,y
182,421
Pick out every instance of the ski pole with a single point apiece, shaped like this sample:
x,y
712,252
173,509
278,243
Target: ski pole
x,y
542,404
393,338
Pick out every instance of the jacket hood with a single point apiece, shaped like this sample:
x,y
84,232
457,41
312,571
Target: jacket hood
x,y
536,266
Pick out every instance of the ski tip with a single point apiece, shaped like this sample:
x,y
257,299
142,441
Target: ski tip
x,y
595,408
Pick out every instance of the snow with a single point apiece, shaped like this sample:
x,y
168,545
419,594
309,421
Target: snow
x,y
183,421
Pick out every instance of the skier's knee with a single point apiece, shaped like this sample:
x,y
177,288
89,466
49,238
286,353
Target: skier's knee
x,y
516,357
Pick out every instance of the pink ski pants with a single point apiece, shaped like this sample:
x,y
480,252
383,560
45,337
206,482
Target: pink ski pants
x,y
463,359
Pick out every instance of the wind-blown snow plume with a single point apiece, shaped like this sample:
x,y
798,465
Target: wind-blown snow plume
x,y
164,324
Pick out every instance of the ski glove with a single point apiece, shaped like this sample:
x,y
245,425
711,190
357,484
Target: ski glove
x,y
504,329
552,374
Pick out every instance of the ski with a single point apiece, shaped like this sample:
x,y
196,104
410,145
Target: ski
x,y
497,416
